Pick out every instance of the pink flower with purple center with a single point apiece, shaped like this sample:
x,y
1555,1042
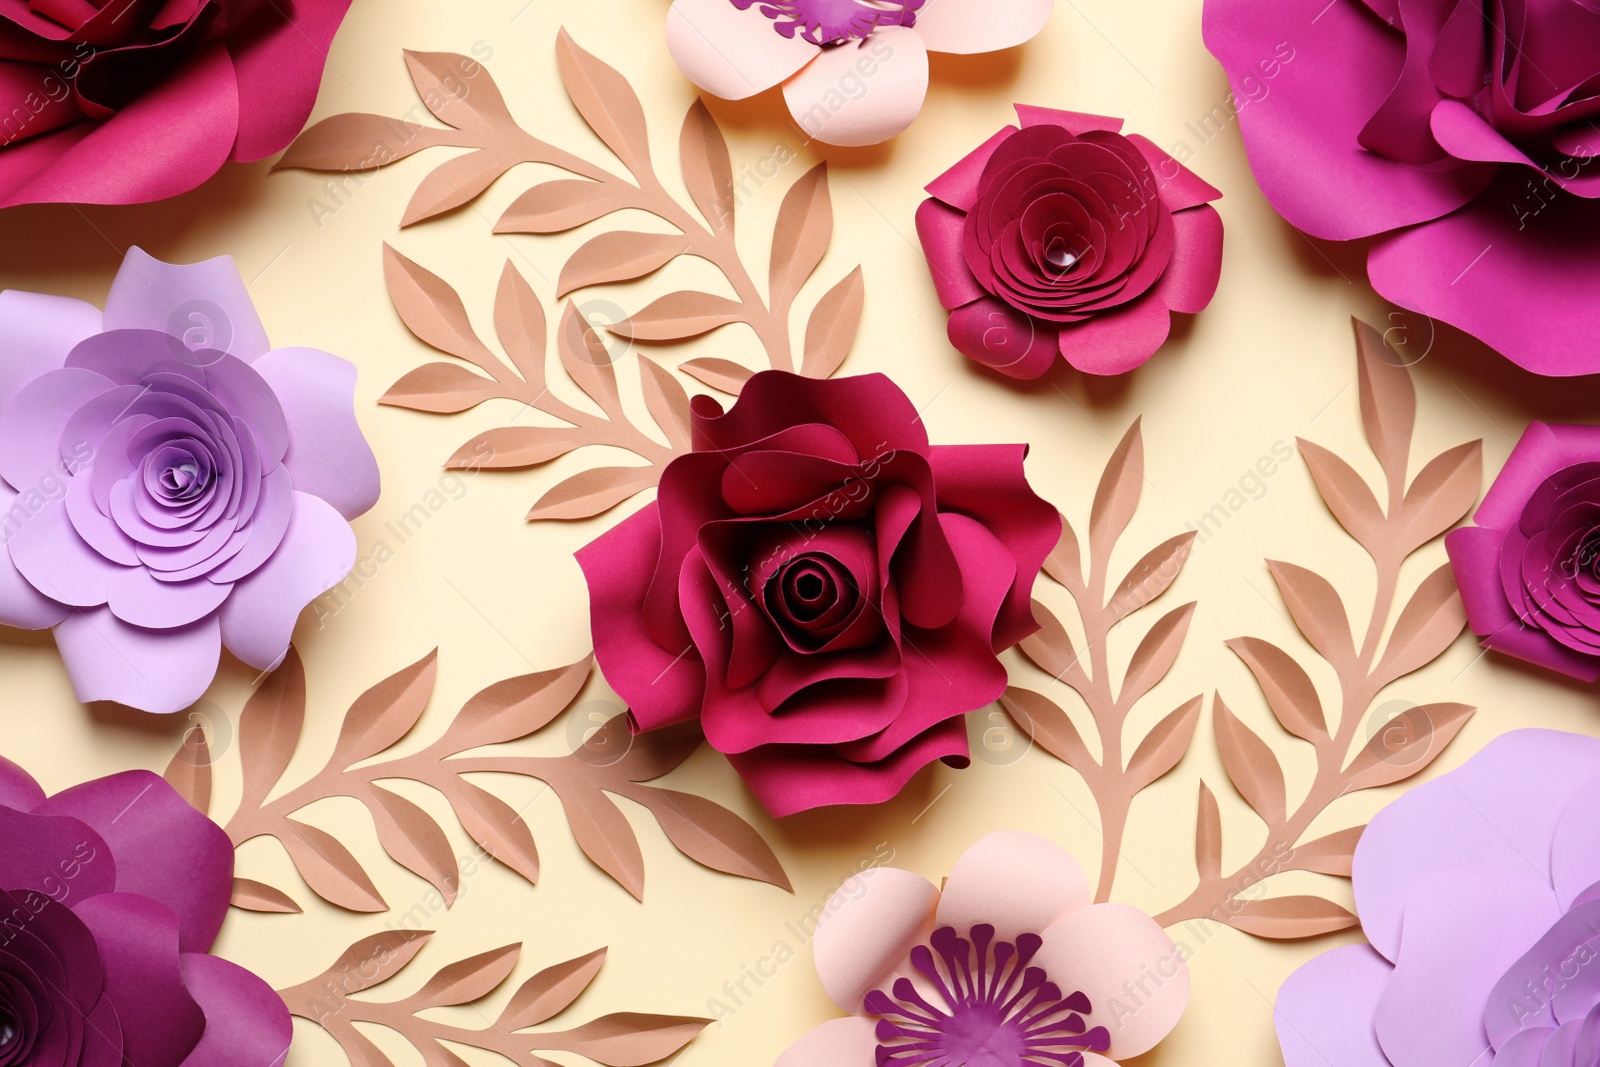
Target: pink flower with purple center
x,y
827,22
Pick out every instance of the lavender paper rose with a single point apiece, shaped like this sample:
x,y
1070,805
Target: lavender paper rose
x,y
171,483
1529,571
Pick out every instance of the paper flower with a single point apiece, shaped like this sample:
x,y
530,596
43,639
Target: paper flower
x,y
1010,965
1529,571
112,893
1480,894
1460,132
1066,237
123,103
854,72
821,589
171,484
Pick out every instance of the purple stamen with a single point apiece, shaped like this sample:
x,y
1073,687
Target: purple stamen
x,y
833,22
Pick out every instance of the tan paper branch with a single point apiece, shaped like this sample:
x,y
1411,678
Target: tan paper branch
x,y
624,1039
609,763
1363,662
1114,778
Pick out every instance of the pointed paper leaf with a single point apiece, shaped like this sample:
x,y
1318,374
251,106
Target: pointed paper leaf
x,y
605,836
1427,625
454,183
1388,402
1117,495
1405,745
512,447
1443,492
1250,764
1318,611
590,492
801,235
1049,726
432,310
517,706
1156,652
519,322
269,725
587,360
329,868
1346,493
1165,745
1050,648
831,330
1288,918
619,256
189,772
713,836
1332,854
373,960
722,374
550,992
359,142
680,315
553,207
1288,688
667,401
1152,575
386,712
441,388
494,825
1208,836
467,980
256,896
414,841
626,1039
607,103
359,1049
707,170
1065,561
458,90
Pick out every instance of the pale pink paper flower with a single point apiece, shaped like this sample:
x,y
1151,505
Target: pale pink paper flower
x,y
854,72
1010,965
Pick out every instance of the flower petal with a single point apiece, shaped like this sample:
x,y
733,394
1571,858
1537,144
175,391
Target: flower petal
x,y
40,330
204,304
1575,849
731,53
868,929
328,455
990,332
965,27
138,941
21,604
18,790
246,1022
861,93
850,1042
278,61
33,421
940,228
1325,1009
1017,882
1119,339
160,671
1191,278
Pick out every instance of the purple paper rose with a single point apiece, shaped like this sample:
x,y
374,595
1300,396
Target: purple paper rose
x,y
111,894
1460,133
171,483
1480,895
1529,571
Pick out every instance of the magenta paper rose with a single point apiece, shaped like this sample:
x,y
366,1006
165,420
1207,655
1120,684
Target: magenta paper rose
x,y
1459,133
1010,964
124,102
1065,237
821,589
112,893
1529,571
1480,894
854,72
171,482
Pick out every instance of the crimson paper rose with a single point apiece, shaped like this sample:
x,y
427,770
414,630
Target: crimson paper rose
x,y
820,588
111,894
1065,236
124,101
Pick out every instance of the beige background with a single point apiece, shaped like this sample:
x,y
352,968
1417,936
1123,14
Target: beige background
x,y
1271,359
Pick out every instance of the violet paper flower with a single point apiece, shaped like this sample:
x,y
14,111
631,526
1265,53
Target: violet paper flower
x,y
1529,571
1066,238
1459,133
171,483
1480,894
111,894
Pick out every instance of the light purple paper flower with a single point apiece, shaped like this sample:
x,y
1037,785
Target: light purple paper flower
x,y
171,483
1480,895
1459,133
1529,571
111,894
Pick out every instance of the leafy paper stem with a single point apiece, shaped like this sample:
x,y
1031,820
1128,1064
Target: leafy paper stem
x,y
620,1040
1113,778
459,92
608,763
1363,661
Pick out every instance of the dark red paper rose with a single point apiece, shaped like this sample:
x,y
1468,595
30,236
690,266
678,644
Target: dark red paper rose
x,y
129,101
820,588
111,893
1065,236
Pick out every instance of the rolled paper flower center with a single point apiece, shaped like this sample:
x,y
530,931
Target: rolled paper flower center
x,y
178,473
811,597
982,1006
833,22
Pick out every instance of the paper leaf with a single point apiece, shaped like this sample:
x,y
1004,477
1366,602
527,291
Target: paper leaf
x,y
590,492
1346,493
467,980
511,447
1289,918
1443,492
329,868
359,142
1288,689
1050,648
1405,745
607,103
414,841
722,374
1049,726
1318,611
189,772
667,401
493,824
1331,855
557,206
440,388
374,959
386,712
517,706
1152,575
619,256
1427,625
1208,836
832,328
801,235
1250,764
707,170
550,992
1117,495
519,322
1388,402
713,836
432,310
1155,655
1065,561
1165,745
626,1039
604,835
269,725
458,90
256,896
586,360
680,315
454,183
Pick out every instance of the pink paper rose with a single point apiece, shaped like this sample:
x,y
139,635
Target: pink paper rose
x,y
1065,237
124,102
821,589
1459,133
854,72
1529,571
1009,965
169,482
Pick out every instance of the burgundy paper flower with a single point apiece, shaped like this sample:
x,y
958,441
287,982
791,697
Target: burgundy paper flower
x,y
1065,236
111,894
1529,571
125,101
822,589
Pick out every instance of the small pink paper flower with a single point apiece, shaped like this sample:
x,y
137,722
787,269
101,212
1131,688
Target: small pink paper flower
x,y
1066,237
854,72
1010,965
